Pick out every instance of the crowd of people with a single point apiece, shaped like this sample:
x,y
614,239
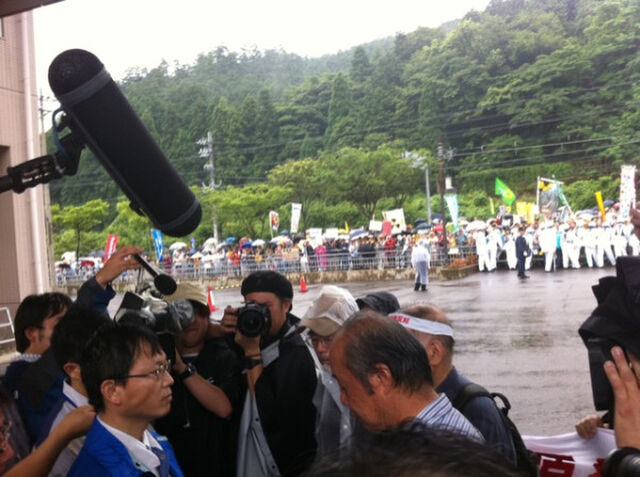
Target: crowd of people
x,y
353,384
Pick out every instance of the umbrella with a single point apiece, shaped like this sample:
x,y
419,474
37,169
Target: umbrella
x,y
423,226
247,244
477,225
608,203
280,239
177,246
97,253
230,239
197,255
210,243
258,243
284,232
357,233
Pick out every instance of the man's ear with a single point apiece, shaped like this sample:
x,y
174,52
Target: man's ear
x,y
435,352
381,380
111,392
73,370
32,333
287,306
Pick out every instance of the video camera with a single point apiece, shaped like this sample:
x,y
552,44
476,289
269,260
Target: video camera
x,y
614,322
166,320
253,319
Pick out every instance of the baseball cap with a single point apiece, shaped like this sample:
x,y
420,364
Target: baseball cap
x,y
329,311
189,291
383,302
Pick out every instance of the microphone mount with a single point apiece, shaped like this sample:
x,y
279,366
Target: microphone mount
x,y
44,169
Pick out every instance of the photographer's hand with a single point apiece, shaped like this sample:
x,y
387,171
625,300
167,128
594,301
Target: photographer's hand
x,y
120,261
626,391
229,320
251,348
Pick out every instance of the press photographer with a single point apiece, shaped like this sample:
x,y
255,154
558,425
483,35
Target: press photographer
x,y
206,390
277,429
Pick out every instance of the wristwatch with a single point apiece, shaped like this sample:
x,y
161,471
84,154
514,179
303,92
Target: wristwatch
x,y
252,361
187,373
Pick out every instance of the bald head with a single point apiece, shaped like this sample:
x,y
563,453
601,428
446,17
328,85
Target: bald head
x,y
432,313
369,339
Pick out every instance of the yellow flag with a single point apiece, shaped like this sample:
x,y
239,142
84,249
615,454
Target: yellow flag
x,y
601,205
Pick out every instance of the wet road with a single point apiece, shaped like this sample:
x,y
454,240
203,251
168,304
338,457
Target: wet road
x,y
517,338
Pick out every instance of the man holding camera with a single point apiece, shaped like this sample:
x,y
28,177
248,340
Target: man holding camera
x,y
277,429
206,389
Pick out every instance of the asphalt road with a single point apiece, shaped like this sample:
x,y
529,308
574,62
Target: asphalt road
x,y
517,338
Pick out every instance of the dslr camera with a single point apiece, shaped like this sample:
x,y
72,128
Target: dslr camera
x,y
253,319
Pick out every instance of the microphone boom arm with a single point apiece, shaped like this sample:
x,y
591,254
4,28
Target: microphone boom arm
x,y
44,169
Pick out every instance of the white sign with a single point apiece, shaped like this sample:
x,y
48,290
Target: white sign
x,y
627,190
296,209
396,217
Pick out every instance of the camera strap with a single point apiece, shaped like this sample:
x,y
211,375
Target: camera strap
x,y
272,352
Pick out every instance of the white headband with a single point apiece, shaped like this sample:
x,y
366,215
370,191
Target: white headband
x,y
422,325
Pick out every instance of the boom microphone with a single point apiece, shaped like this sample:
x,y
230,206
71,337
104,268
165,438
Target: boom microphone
x,y
103,118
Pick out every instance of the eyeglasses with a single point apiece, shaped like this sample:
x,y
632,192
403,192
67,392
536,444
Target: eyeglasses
x,y
5,434
156,374
317,339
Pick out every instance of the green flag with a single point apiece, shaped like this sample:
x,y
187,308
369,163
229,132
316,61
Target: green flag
x,y
502,190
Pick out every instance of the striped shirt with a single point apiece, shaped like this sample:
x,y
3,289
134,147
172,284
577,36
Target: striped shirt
x,y
440,414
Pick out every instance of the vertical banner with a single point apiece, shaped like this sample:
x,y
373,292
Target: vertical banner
x,y
627,191
296,210
601,205
274,220
110,247
158,243
452,205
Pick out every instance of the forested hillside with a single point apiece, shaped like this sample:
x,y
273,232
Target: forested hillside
x,y
526,87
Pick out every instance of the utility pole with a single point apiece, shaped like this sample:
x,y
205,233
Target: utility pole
x,y
441,187
207,151
427,191
46,195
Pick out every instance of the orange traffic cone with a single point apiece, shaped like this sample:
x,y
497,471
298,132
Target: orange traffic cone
x,y
210,300
303,284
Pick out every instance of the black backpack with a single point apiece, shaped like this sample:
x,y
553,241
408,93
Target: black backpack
x,y
527,462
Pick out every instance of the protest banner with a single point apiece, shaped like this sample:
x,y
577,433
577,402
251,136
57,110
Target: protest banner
x,y
570,455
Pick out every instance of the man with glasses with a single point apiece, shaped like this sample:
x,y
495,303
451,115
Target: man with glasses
x,y
323,319
126,376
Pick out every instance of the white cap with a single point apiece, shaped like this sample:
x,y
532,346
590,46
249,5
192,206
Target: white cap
x,y
330,310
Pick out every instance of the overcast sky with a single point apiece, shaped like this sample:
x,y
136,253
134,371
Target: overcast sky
x,y
140,33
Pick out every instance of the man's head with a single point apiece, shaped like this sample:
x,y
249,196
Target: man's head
x,y
325,317
36,318
272,290
415,451
376,361
433,330
126,374
382,302
73,332
195,334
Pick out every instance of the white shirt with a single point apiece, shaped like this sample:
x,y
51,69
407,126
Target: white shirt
x,y
140,451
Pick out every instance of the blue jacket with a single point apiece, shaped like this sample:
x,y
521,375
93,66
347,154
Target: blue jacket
x,y
105,456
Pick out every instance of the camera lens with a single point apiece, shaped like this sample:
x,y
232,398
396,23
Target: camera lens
x,y
251,323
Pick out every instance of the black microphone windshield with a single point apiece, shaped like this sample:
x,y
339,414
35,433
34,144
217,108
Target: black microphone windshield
x,y
107,123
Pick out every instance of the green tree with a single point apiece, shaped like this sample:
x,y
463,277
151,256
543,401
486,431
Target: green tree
x,y
79,219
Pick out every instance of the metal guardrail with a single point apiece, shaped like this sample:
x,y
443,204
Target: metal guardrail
x,y
9,324
376,260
